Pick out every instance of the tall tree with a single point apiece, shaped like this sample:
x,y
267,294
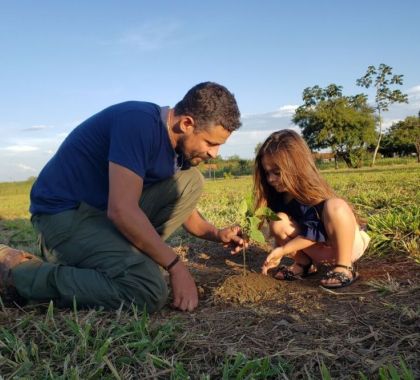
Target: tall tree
x,y
382,79
345,124
407,132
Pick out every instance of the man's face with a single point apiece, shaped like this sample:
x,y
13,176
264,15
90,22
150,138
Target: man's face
x,y
202,145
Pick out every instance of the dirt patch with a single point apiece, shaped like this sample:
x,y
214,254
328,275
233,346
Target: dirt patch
x,y
361,328
249,288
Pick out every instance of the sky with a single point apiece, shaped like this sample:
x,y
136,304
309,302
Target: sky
x,y
63,61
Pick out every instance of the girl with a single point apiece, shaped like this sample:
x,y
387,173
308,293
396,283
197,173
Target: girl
x,y
315,226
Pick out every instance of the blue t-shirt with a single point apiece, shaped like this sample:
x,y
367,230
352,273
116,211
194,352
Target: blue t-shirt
x,y
131,134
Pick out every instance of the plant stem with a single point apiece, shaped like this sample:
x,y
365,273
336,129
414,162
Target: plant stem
x,y
244,256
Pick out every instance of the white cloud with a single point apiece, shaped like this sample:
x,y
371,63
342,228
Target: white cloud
x,y
414,96
243,142
287,110
25,154
20,148
26,168
34,128
284,111
414,90
270,121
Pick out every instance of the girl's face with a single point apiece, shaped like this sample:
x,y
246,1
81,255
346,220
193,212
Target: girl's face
x,y
273,173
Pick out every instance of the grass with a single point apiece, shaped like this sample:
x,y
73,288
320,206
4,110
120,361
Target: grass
x,y
14,199
127,344
85,345
42,342
96,344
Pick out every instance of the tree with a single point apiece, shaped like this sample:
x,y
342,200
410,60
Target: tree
x,y
407,132
244,166
382,78
235,157
345,124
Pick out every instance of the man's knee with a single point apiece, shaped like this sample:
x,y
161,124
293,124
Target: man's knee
x,y
150,292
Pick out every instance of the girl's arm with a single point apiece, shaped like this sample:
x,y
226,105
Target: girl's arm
x,y
290,248
296,244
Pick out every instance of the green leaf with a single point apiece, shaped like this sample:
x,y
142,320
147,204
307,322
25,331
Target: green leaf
x,y
267,213
257,236
254,222
271,215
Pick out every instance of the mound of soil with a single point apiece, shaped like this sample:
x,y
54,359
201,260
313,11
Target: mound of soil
x,y
249,288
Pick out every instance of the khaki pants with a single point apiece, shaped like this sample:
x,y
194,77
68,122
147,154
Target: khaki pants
x,y
88,259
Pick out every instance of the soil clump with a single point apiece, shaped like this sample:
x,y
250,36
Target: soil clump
x,y
248,288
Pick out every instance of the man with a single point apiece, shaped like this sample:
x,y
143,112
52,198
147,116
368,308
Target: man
x,y
120,184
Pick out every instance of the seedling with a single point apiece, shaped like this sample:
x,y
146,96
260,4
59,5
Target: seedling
x,y
250,222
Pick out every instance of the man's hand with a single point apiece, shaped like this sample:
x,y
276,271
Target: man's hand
x,y
183,287
232,237
272,260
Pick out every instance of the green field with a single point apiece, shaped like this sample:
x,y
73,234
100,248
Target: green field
x,y
40,341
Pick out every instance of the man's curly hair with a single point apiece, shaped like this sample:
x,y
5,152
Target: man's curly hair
x,y
209,103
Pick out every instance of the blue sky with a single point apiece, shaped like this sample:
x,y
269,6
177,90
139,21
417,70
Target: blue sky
x,y
61,62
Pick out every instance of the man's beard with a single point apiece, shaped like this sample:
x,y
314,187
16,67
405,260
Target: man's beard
x,y
185,161
188,160
195,161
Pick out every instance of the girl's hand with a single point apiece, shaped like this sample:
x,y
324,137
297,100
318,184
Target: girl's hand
x,y
272,260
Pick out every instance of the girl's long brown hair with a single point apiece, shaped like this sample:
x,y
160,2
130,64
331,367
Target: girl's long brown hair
x,y
297,168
